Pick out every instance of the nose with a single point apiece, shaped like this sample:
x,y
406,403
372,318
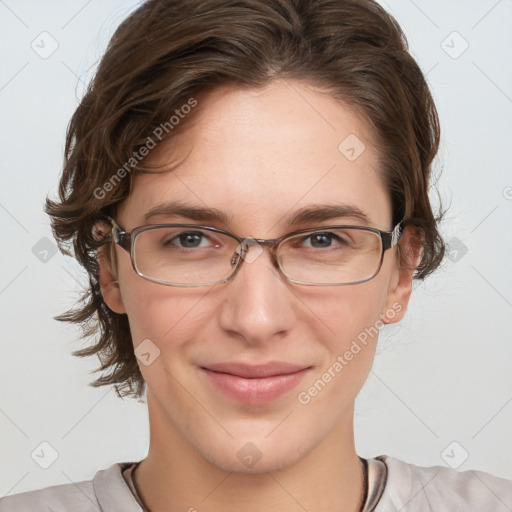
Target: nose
x,y
258,305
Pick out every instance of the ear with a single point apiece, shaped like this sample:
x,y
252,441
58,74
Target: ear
x,y
109,285
400,286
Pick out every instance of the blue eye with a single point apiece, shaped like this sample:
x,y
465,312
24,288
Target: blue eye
x,y
189,240
325,239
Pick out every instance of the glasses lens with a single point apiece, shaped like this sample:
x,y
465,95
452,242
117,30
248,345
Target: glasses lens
x,y
334,256
197,256
184,255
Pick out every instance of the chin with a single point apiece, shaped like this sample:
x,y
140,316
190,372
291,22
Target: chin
x,y
256,456
270,462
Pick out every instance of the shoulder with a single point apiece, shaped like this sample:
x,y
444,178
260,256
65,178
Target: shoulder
x,y
56,498
414,488
106,491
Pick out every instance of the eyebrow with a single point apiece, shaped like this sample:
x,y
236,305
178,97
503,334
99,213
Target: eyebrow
x,y
308,214
321,213
177,208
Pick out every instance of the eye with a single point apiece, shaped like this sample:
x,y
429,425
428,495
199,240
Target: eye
x,y
188,240
325,239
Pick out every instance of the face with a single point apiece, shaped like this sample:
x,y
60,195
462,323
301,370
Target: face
x,y
259,157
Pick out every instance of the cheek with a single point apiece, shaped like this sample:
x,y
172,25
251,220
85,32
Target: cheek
x,y
346,311
350,319
162,313
164,323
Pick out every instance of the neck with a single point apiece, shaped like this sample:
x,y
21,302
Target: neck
x,y
175,477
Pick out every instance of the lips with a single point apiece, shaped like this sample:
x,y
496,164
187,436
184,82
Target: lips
x,y
255,384
247,371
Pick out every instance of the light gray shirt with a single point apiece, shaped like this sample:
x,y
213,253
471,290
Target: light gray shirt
x,y
393,485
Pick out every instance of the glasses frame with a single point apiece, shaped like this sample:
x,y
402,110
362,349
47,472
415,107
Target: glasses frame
x,y
126,240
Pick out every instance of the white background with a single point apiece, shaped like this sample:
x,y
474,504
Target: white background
x,y
443,375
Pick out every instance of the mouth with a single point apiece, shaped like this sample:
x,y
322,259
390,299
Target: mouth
x,y
255,384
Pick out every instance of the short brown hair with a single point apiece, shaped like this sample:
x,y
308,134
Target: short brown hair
x,y
169,51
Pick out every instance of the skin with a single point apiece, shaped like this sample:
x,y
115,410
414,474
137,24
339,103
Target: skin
x,y
257,156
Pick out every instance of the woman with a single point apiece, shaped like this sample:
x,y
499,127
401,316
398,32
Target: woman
x,y
246,184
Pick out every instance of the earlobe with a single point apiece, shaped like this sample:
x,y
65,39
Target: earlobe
x,y
109,285
400,289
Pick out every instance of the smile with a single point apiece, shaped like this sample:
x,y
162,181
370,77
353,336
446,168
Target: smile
x,y
255,385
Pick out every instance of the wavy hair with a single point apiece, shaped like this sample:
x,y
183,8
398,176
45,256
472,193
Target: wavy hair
x,y
169,51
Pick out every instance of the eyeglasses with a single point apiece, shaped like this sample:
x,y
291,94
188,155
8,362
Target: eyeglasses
x,y
194,255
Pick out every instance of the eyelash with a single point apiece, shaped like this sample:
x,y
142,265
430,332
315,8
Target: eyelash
x,y
330,234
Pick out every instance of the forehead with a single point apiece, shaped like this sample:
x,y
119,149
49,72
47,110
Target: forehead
x,y
259,155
